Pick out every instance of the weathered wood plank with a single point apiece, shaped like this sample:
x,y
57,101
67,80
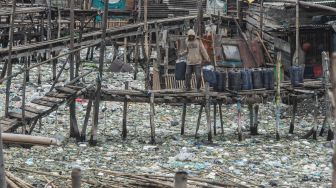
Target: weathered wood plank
x,y
28,115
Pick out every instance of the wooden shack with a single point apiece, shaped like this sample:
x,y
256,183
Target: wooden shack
x,y
275,22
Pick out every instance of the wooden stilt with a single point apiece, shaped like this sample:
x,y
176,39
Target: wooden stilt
x,y
291,128
23,105
199,119
313,131
277,96
250,107
74,131
93,140
124,122
324,124
87,54
39,70
152,118
54,67
28,72
240,133
184,111
136,57
86,120
207,111
221,118
255,120
214,116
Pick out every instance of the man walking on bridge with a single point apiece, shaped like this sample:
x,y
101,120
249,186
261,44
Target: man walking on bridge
x,y
196,54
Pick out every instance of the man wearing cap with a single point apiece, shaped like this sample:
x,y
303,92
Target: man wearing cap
x,y
196,54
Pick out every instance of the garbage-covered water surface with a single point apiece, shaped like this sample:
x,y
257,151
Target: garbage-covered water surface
x,y
256,161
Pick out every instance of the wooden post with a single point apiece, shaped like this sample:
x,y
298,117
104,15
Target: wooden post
x,y
199,18
291,128
297,36
180,179
156,71
240,133
250,107
221,118
23,105
2,166
54,67
147,59
39,59
277,95
261,18
124,122
146,27
214,116
152,118
184,111
9,65
76,178
139,10
136,57
207,111
326,83
239,12
28,65
86,120
332,96
199,119
255,120
74,131
315,116
125,50
93,139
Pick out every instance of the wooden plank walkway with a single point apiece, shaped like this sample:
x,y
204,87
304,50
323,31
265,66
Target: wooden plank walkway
x,y
41,107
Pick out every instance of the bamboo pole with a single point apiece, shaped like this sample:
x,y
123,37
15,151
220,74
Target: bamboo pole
x,y
93,139
28,139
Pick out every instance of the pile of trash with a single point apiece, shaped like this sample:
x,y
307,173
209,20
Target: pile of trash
x,y
256,161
